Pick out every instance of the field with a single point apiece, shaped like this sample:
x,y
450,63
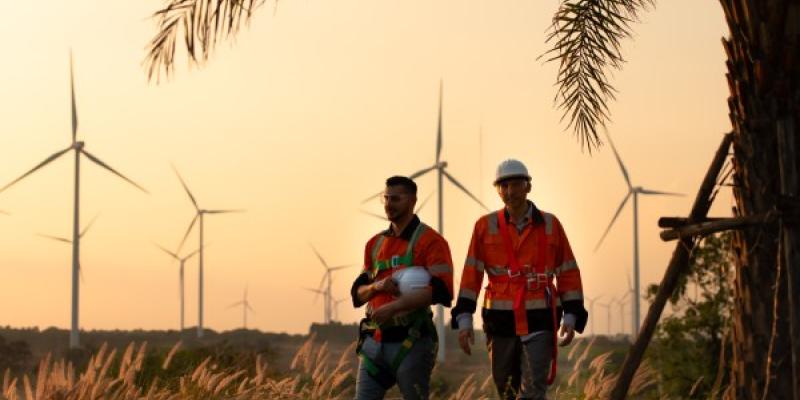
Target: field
x,y
247,364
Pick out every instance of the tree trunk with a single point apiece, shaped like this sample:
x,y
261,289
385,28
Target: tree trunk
x,y
763,76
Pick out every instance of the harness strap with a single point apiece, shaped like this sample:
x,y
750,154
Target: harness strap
x,y
519,285
419,318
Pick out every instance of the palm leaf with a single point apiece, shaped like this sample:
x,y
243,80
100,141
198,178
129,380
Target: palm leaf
x,y
586,40
202,22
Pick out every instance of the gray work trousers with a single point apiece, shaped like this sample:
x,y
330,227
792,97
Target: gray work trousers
x,y
413,376
520,369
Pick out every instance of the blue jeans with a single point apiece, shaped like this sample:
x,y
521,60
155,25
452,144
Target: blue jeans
x,y
413,376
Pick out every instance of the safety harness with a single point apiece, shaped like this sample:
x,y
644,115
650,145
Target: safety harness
x,y
523,279
416,320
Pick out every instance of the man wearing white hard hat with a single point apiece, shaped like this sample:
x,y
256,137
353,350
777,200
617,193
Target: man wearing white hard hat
x,y
534,288
406,269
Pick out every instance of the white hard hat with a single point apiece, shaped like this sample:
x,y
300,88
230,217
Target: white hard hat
x,y
411,278
511,168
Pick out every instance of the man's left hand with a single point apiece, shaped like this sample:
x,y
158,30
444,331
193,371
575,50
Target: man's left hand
x,y
384,313
569,332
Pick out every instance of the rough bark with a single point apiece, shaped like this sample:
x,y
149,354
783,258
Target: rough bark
x,y
763,81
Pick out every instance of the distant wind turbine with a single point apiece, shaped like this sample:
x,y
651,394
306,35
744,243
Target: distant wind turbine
x,y
182,261
441,173
245,308
420,206
67,241
591,301
199,213
326,282
608,311
634,191
336,303
79,148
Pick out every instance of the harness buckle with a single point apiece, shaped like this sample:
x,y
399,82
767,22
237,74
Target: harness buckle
x,y
536,281
513,274
395,261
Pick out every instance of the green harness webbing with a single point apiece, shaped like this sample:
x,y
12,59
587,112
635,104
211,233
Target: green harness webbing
x,y
396,260
417,319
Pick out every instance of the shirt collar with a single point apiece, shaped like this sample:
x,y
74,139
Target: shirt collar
x,y
533,214
407,232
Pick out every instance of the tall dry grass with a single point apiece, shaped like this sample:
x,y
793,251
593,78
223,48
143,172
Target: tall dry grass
x,y
312,377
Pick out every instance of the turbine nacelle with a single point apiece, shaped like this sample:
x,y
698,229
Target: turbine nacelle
x,y
79,145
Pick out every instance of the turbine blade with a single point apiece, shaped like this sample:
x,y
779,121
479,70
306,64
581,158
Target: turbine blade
x,y
439,126
322,260
250,308
234,305
4,212
173,255
57,238
463,189
619,161
422,205
322,282
186,188
412,176
223,211
619,210
371,214
656,192
88,226
338,267
188,231
423,171
80,273
72,96
192,254
46,161
317,293
112,170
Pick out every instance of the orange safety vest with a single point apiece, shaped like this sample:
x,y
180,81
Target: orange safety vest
x,y
385,254
521,269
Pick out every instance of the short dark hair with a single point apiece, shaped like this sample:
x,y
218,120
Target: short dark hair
x,y
403,181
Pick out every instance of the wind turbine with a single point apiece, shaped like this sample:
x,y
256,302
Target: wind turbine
x,y
182,261
591,309
245,307
65,240
608,313
324,295
633,191
327,278
440,167
621,302
199,214
336,303
79,147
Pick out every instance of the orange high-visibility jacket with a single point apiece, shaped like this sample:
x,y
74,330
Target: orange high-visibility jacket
x,y
487,255
430,251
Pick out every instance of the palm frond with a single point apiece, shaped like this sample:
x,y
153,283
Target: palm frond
x,y
585,37
202,22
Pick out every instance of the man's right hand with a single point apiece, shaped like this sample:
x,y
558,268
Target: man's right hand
x,y
387,285
466,338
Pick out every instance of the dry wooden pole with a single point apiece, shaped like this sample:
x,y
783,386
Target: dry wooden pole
x,y
678,222
677,266
719,225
